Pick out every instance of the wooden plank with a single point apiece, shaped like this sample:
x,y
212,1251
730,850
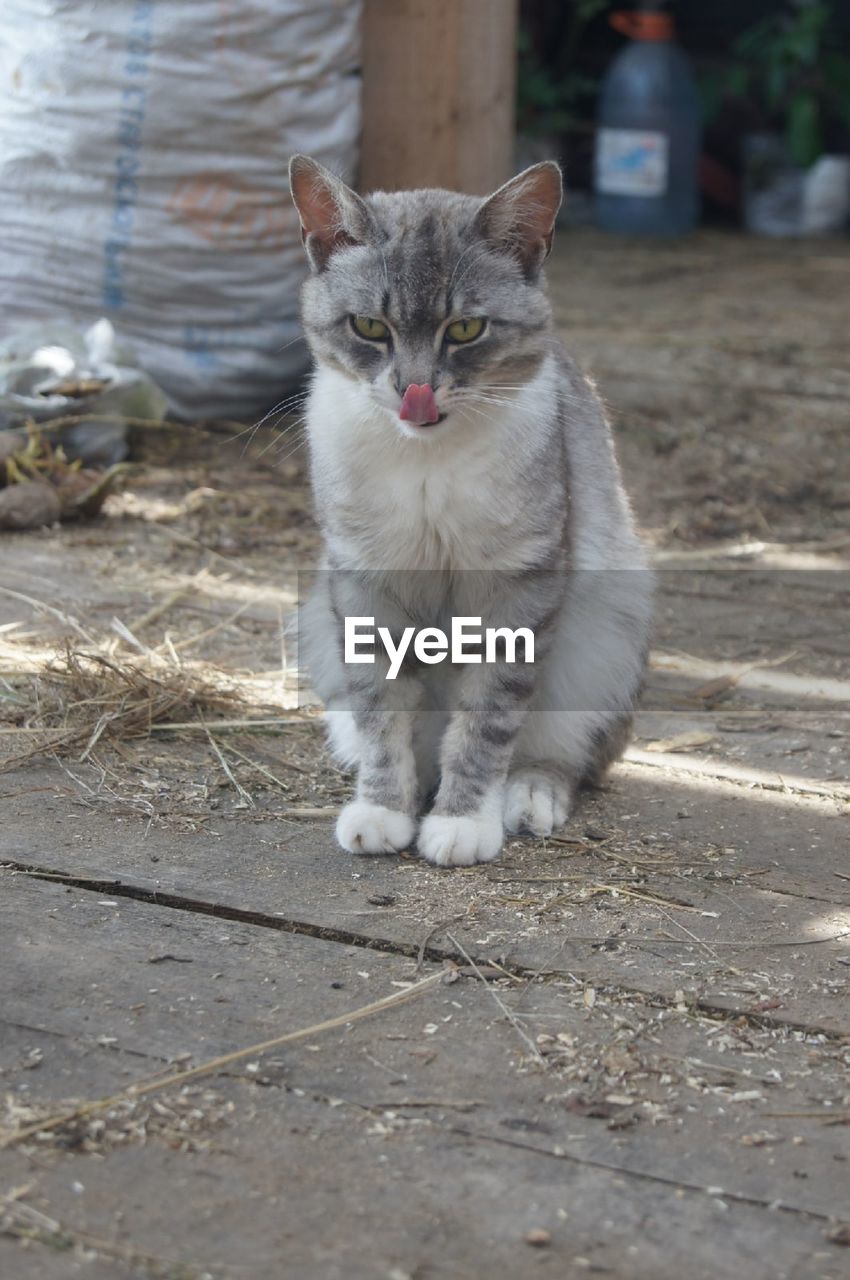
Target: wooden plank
x,y
440,1094
311,1192
28,1261
438,94
756,925
161,983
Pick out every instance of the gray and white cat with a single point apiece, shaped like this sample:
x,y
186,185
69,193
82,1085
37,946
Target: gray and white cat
x,y
461,466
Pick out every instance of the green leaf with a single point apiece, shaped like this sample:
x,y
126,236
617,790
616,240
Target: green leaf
x,y
756,39
775,84
587,10
575,84
738,81
711,94
805,141
805,36
835,69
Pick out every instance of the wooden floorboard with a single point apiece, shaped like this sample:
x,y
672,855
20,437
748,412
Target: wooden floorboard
x,y
456,1140
659,1077
758,925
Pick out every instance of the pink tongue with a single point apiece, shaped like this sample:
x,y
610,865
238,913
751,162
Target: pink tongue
x,y
419,405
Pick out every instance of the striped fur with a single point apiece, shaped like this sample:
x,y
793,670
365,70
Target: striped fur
x,y
510,509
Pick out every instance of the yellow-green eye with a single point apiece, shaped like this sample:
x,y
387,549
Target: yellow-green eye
x,y
465,330
370,328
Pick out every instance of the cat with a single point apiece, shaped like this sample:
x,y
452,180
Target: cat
x,y
461,465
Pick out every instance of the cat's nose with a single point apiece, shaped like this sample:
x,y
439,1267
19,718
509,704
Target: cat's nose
x,y
419,405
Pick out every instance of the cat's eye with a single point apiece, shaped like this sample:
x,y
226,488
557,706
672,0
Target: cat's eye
x,y
465,330
368,327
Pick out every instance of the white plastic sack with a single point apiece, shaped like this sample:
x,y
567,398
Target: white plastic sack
x,y
143,154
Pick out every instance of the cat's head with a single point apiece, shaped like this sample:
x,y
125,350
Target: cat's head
x,y
431,300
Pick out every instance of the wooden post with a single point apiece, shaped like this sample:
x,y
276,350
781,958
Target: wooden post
x,y
438,94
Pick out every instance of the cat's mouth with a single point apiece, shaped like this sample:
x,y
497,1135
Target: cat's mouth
x,y
419,429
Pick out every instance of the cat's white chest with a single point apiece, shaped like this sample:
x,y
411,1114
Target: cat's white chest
x,y
438,514
398,503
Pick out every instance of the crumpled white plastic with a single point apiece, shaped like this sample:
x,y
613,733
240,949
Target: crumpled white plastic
x,y
57,371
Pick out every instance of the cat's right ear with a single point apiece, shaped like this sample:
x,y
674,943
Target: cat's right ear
x,y
332,215
519,218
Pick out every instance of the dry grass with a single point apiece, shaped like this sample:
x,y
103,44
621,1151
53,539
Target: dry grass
x,y
182,1119
115,699
122,1105
81,697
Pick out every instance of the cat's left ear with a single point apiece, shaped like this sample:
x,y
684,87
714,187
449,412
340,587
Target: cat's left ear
x,y
332,215
519,218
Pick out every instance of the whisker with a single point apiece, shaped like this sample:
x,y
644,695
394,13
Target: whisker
x,y
301,394
294,440
463,254
488,399
483,394
483,250
278,412
297,445
299,337
281,406
281,435
294,406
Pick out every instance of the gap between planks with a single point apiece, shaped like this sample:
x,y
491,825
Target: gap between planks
x,y
410,950
560,1153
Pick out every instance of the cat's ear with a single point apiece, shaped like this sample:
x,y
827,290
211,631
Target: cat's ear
x,y
332,215
519,218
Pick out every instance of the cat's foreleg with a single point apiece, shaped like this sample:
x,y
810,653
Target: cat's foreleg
x,y
465,823
581,715
381,817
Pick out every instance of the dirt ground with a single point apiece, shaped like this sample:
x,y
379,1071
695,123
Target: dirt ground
x,y
623,1051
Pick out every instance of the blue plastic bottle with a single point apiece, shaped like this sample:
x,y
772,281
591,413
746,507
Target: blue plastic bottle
x,y
646,174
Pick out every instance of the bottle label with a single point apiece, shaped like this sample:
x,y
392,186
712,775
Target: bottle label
x,y
630,162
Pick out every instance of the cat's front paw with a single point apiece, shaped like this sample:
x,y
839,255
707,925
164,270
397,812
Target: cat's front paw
x,y
370,828
459,842
536,802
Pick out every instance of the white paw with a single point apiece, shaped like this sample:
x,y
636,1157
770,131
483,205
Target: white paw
x,y
459,842
535,802
370,828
